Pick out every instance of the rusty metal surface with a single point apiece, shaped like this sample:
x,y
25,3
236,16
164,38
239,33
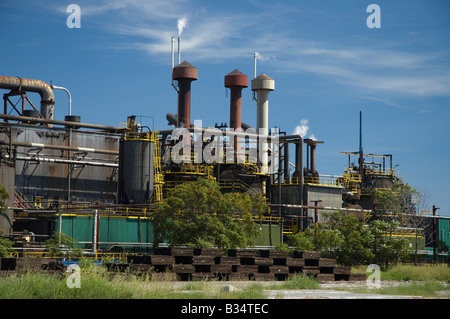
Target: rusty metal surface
x,y
45,91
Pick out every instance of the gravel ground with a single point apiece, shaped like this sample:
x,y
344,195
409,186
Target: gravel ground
x,y
327,290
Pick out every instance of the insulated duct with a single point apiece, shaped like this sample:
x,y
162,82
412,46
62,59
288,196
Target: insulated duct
x,y
18,84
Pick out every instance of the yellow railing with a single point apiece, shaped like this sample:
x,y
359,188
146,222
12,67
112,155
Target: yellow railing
x,y
237,184
159,177
89,256
323,180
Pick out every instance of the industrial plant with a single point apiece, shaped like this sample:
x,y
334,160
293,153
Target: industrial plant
x,y
99,184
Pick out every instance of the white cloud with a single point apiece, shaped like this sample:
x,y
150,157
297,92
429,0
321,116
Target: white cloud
x,y
216,36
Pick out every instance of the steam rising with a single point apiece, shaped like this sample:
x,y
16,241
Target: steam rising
x,y
302,130
181,24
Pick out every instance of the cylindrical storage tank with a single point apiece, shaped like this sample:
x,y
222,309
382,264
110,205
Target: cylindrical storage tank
x,y
136,171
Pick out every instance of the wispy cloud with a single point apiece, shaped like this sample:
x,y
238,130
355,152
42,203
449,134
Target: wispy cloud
x,y
217,36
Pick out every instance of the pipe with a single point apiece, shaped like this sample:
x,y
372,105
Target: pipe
x,y
287,177
57,160
54,87
44,90
298,166
62,147
65,123
70,137
173,62
179,49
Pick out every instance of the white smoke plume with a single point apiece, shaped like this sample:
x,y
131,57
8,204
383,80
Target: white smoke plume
x,y
181,24
261,57
302,129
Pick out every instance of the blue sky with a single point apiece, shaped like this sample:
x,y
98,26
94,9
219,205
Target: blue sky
x,y
327,66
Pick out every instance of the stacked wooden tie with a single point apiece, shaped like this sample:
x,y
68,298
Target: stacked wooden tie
x,y
239,264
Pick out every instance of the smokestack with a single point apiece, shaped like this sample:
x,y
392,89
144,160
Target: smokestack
x,y
184,73
236,81
179,50
263,84
44,90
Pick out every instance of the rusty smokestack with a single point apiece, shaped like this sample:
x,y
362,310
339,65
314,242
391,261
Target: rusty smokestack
x,y
184,73
236,81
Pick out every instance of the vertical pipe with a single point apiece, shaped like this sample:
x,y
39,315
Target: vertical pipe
x,y
172,55
179,50
286,164
95,232
361,160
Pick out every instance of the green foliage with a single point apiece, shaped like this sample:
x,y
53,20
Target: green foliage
x,y
199,215
352,243
5,244
62,245
3,197
299,281
396,200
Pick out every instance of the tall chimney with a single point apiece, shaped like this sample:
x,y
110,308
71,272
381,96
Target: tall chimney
x,y
184,73
236,81
263,84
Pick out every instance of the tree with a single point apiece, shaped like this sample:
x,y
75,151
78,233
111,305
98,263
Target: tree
x,y
396,201
404,204
199,215
351,242
62,245
387,249
354,247
5,244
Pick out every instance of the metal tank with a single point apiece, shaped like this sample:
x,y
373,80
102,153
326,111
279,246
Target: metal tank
x,y
136,171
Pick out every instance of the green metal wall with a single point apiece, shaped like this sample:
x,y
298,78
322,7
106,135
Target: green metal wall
x,y
264,238
444,231
128,231
112,231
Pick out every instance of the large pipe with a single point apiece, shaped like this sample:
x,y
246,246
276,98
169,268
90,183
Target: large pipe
x,y
236,81
38,86
184,73
65,123
298,174
62,147
287,177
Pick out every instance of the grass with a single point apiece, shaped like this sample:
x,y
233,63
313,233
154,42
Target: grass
x,y
425,280
97,283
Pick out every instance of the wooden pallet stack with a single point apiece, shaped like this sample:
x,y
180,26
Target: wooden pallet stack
x,y
205,264
240,264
